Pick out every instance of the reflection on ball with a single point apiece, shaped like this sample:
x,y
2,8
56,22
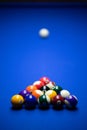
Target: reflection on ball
x,y
17,101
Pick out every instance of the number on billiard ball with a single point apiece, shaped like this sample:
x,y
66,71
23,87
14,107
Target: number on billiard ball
x,y
58,102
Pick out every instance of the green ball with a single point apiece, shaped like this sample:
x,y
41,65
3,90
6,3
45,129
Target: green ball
x,y
57,89
44,101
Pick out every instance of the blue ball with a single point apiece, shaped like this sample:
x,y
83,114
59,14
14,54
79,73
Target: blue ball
x,y
30,101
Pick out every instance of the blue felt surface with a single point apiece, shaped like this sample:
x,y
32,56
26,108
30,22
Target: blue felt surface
x,y
25,57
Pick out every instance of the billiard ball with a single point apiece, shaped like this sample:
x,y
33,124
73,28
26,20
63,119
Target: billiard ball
x,y
37,93
17,101
44,88
31,88
45,80
71,101
44,33
23,93
50,84
51,94
38,84
30,101
58,102
64,93
44,101
57,89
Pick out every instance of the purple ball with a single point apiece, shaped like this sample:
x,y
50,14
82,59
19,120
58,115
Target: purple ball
x,y
71,101
23,93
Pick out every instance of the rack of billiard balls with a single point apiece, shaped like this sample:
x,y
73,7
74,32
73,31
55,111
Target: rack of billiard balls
x,y
44,93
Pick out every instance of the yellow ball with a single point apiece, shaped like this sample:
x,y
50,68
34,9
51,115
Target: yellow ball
x,y
51,94
17,101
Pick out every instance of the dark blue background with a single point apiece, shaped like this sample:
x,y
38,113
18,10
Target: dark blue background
x,y
25,57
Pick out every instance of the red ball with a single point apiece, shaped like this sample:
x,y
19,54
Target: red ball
x,y
45,80
38,84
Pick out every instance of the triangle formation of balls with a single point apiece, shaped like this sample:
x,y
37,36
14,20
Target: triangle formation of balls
x,y
44,93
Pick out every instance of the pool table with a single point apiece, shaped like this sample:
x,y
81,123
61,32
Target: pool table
x,y
26,57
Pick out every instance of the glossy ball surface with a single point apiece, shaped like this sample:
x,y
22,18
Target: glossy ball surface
x,y
30,101
17,101
44,88
51,94
45,80
50,84
37,93
38,84
58,101
71,101
64,93
44,101
23,93
44,32
57,89
31,88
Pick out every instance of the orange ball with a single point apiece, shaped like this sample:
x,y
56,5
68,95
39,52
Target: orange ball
x,y
37,93
31,88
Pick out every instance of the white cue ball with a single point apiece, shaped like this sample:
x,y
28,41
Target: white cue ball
x,y
44,32
64,93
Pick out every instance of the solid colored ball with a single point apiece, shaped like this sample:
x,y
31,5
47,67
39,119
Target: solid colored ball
x,y
31,88
58,101
64,93
51,94
44,32
45,80
44,88
44,101
17,101
38,84
30,101
71,101
37,93
57,89
50,84
23,93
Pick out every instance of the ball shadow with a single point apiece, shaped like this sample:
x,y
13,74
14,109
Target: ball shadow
x,y
29,108
43,108
16,108
72,109
58,108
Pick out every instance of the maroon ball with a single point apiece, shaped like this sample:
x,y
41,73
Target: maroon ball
x,y
58,101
